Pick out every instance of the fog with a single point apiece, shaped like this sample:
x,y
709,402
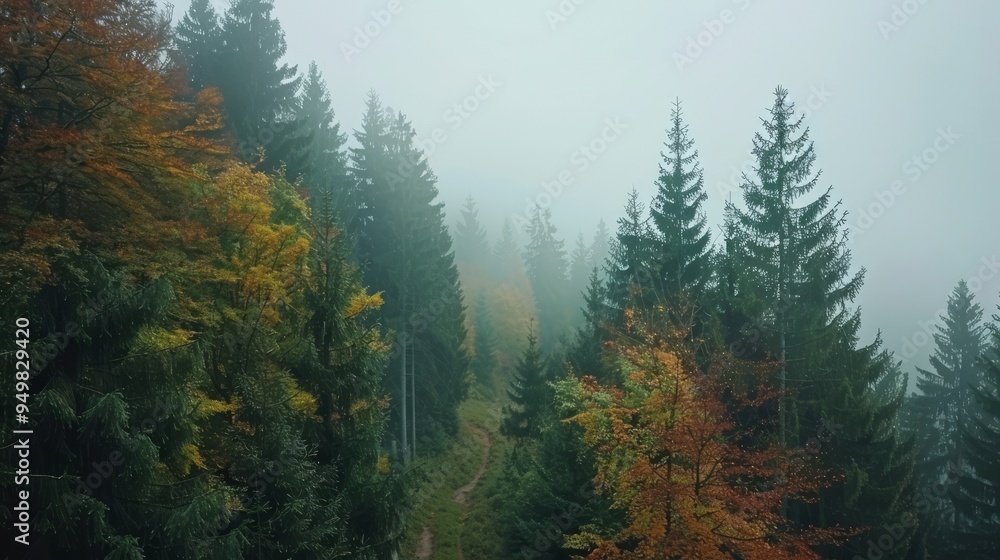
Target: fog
x,y
882,86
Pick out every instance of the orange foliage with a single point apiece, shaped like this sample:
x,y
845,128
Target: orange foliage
x,y
666,455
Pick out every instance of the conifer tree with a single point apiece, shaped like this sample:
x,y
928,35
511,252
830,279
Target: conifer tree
x,y
976,495
546,265
259,90
325,163
485,362
470,236
630,264
600,248
946,404
585,354
199,39
579,266
682,254
405,250
791,276
530,394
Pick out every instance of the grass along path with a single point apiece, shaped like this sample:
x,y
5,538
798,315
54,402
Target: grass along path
x,y
450,495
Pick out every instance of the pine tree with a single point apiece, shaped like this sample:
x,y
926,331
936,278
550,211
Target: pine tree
x,y
789,268
199,38
485,362
470,236
976,496
545,263
530,394
600,248
325,165
579,265
682,255
259,90
629,269
585,354
946,403
406,253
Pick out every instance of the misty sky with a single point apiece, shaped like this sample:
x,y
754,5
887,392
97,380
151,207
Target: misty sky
x,y
921,84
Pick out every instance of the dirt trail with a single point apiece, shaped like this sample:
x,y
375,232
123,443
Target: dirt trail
x,y
462,494
424,548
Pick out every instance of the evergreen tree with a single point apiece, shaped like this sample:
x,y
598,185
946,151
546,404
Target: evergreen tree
x,y
406,253
485,362
600,248
579,271
630,264
470,236
325,163
682,254
545,262
529,392
976,496
790,268
585,354
946,403
259,90
199,38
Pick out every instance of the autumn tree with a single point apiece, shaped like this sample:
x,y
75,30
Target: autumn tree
x,y
666,455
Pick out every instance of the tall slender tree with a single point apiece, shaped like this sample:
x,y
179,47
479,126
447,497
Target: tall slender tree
x,y
630,265
471,244
946,404
682,239
259,89
791,278
546,265
976,496
529,392
199,40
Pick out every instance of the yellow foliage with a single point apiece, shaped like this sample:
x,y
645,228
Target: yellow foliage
x,y
383,464
361,302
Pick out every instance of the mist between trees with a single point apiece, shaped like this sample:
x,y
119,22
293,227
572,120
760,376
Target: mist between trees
x,y
253,334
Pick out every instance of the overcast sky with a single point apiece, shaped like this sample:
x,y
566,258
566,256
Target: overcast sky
x,y
885,82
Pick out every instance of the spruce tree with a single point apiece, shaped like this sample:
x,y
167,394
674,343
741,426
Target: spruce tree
x,y
585,353
405,250
485,362
325,163
791,276
976,495
259,90
199,38
630,264
546,265
530,394
470,236
600,248
682,240
946,403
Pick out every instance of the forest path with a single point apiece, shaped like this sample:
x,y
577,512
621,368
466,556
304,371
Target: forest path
x,y
462,494
452,517
426,545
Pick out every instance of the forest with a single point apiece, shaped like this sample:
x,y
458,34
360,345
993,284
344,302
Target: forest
x,y
233,328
